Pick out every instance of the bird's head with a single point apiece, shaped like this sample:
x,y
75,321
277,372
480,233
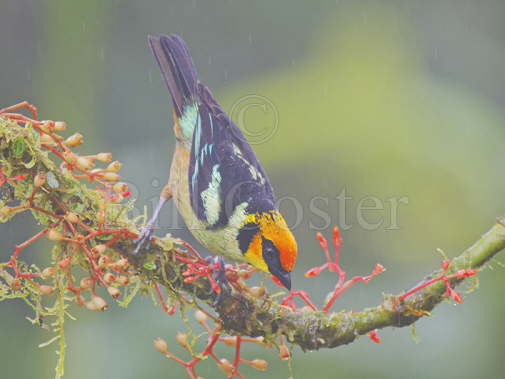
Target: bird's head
x,y
268,244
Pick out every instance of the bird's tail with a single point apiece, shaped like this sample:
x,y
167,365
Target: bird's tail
x,y
178,69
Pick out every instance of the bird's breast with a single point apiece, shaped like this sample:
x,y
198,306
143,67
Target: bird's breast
x,y
222,241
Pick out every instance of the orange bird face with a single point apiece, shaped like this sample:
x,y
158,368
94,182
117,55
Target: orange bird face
x,y
272,247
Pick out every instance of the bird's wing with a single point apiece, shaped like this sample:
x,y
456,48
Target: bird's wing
x,y
223,171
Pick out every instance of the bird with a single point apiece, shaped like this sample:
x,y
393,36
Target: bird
x,y
219,187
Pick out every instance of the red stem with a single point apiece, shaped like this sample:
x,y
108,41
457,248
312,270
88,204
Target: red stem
x,y
236,362
446,278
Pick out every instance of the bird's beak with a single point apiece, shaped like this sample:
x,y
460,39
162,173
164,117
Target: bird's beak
x,y
285,278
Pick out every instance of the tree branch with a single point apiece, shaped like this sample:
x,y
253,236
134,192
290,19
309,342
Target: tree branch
x,y
239,313
311,330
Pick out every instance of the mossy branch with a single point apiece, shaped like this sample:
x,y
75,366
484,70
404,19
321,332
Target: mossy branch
x,y
313,330
23,153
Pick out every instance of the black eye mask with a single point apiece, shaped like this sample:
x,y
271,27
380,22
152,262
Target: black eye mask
x,y
272,258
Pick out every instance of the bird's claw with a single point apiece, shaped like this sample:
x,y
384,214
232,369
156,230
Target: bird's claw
x,y
219,276
144,238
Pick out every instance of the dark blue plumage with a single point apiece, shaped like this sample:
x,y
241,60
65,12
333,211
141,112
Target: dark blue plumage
x,y
242,177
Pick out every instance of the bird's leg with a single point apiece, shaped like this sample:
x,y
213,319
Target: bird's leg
x,y
219,276
146,232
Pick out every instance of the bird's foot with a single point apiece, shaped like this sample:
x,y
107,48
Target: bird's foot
x,y
219,276
143,241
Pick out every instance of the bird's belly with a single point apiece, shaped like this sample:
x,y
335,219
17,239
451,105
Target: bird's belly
x,y
222,241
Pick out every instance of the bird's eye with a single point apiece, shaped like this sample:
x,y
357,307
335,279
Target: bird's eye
x,y
270,252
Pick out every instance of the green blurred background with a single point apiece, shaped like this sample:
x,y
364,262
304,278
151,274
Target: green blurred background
x,y
389,99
